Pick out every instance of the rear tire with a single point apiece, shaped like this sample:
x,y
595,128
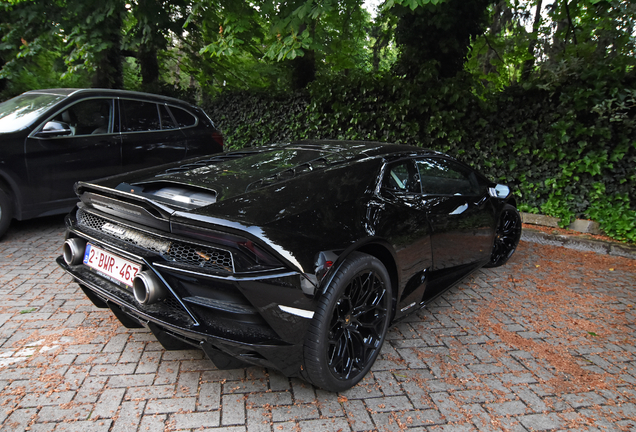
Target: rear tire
x,y
506,237
349,325
6,211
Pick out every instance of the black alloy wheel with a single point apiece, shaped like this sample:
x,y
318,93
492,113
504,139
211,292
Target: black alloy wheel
x,y
506,237
350,324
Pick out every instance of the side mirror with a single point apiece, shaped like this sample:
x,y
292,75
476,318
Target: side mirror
x,y
499,191
53,129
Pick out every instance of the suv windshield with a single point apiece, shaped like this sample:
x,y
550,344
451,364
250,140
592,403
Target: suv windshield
x,y
22,110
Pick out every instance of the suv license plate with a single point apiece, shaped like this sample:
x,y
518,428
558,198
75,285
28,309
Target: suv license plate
x,y
111,265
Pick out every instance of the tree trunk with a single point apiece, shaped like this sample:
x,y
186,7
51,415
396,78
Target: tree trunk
x,y
110,71
438,34
3,81
502,16
529,64
303,70
149,65
381,42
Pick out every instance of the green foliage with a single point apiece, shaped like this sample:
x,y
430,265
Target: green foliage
x,y
335,29
260,44
40,68
614,213
412,4
257,118
132,75
522,41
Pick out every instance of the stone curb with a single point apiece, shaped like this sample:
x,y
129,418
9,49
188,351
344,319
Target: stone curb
x,y
579,243
580,225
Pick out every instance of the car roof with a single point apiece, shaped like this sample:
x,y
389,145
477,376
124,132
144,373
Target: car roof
x,y
369,148
236,172
107,92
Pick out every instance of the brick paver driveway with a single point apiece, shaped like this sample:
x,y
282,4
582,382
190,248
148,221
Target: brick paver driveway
x,y
546,342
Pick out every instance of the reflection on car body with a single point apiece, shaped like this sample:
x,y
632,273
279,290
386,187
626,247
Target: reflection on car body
x,y
294,256
53,138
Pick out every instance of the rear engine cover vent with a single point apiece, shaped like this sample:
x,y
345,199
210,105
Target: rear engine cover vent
x,y
184,196
171,250
173,195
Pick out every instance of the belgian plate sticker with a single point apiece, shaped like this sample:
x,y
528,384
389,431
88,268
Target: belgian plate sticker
x,y
111,265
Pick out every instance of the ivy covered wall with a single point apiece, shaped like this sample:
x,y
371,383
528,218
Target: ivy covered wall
x,y
566,143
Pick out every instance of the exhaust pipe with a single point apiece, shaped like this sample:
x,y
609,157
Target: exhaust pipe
x,y
148,289
73,251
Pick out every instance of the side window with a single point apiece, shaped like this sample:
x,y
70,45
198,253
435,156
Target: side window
x,y
402,177
139,116
166,118
443,177
93,116
184,118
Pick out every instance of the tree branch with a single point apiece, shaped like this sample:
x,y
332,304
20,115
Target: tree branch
x,y
570,24
529,64
491,47
128,53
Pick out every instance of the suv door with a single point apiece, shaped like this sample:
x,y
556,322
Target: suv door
x,y
77,143
150,135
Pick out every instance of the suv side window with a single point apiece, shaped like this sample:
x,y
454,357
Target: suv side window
x,y
88,117
184,118
139,116
444,177
402,177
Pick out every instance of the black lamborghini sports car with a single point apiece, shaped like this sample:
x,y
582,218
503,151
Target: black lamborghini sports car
x,y
294,256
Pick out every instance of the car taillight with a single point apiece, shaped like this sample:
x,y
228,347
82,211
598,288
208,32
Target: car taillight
x,y
261,256
218,138
252,256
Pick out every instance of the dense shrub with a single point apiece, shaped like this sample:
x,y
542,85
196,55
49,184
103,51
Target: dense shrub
x,y
566,142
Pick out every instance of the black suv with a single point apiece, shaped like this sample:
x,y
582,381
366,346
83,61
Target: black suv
x,y
53,138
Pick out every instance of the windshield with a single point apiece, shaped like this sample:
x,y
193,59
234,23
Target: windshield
x,y
22,110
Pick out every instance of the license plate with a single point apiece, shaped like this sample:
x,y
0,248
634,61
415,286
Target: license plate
x,y
111,265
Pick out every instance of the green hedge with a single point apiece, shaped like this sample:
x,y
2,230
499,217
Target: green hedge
x,y
566,144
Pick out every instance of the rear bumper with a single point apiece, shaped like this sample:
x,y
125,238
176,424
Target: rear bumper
x,y
228,316
282,356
